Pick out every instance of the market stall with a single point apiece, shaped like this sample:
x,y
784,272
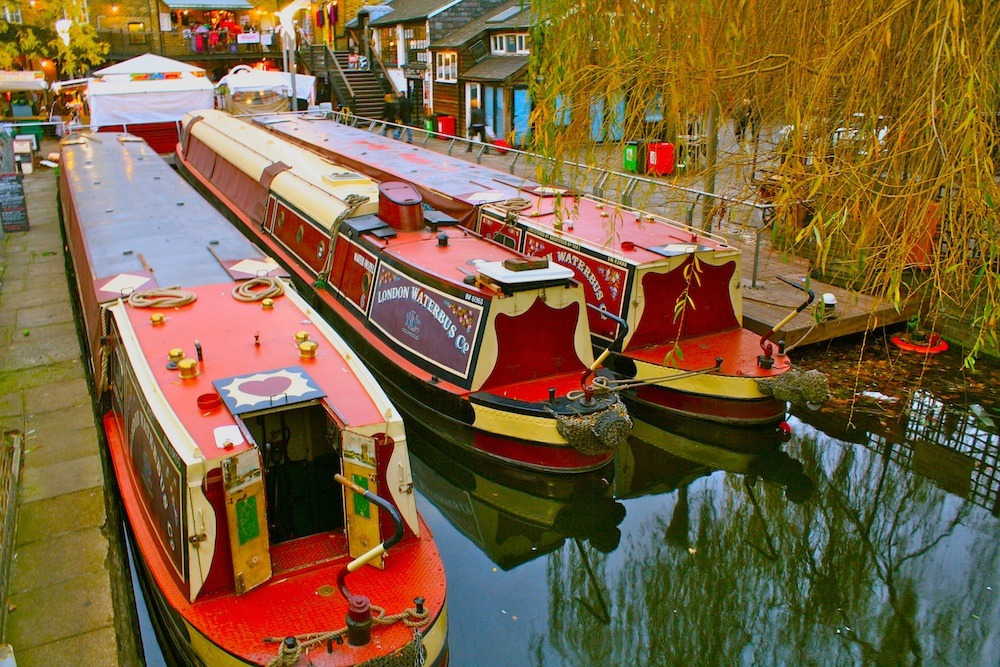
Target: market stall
x,y
246,90
148,96
24,100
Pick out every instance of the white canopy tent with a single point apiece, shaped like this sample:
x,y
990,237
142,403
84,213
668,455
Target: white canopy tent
x,y
247,90
147,89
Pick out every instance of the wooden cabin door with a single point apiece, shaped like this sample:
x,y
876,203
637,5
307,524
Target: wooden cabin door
x,y
246,513
361,516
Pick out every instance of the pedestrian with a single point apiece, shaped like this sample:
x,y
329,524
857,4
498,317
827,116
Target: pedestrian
x,y
390,111
352,60
477,125
405,116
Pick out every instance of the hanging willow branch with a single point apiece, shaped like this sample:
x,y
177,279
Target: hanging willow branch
x,y
881,115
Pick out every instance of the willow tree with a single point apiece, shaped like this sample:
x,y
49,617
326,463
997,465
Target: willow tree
x,y
889,112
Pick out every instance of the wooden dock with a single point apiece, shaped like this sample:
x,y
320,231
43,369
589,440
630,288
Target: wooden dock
x,y
765,305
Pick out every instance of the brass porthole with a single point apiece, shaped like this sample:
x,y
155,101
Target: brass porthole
x,y
300,233
281,219
320,249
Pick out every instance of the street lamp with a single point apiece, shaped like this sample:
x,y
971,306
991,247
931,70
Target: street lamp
x,y
287,23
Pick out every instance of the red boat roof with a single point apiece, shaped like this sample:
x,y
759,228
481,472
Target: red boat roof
x,y
228,331
474,186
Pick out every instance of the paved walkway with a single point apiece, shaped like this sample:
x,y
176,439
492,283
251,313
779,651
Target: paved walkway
x,y
69,593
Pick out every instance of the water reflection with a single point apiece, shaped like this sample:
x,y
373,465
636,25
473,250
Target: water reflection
x,y
855,547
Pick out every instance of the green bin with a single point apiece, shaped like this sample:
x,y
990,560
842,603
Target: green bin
x,y
430,124
635,157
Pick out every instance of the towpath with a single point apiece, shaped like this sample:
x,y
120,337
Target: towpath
x,y
69,599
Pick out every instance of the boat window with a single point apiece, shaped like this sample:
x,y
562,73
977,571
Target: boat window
x,y
300,452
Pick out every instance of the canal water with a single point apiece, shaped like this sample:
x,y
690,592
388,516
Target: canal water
x,y
860,540
881,549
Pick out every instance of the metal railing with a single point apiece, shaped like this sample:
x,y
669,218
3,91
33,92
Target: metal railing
x,y
176,44
757,216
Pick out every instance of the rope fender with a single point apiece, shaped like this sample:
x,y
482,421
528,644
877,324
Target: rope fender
x,y
596,433
248,291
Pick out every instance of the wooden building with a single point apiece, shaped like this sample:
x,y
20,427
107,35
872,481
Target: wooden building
x,y
491,67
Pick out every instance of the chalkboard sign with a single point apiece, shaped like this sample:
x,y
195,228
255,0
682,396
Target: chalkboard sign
x,y
13,211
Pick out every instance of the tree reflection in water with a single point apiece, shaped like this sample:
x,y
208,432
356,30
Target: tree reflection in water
x,y
852,549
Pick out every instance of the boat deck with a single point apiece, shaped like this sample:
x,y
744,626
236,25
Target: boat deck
x,y
764,306
241,339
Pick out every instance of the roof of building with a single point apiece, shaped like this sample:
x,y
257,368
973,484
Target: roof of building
x,y
515,14
411,10
496,68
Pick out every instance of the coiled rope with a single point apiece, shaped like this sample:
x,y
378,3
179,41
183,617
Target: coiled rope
x,y
170,297
515,204
248,291
289,656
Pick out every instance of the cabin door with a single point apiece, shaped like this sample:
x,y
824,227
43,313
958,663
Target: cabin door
x,y
362,516
246,513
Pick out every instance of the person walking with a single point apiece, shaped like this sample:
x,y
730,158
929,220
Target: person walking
x,y
405,116
390,111
477,125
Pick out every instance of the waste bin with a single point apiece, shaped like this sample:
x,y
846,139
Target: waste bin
x,y
635,157
660,158
446,125
431,123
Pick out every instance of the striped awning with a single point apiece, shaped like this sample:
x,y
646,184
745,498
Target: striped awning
x,y
208,4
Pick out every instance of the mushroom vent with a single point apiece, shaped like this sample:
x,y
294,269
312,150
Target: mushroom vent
x,y
399,205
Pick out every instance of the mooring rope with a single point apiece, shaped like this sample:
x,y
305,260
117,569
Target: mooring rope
x,y
170,297
605,385
289,655
246,291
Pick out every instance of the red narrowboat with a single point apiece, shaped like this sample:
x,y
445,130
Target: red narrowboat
x,y
452,324
678,290
263,472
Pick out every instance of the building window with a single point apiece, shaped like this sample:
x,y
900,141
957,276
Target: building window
x,y
416,41
12,14
519,43
387,45
136,32
447,67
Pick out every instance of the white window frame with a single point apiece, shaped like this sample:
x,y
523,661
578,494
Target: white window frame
x,y
446,66
498,43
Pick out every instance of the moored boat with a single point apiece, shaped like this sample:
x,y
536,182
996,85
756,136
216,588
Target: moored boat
x,y
263,472
462,327
677,289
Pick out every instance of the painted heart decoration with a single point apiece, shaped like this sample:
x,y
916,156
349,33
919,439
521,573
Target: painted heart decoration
x,y
271,386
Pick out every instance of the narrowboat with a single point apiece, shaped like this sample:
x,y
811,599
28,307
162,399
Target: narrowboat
x,y
494,343
263,472
674,291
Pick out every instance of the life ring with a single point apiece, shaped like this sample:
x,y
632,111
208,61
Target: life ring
x,y
934,345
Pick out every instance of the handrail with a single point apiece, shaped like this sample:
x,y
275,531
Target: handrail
x,y
378,550
607,351
385,73
343,77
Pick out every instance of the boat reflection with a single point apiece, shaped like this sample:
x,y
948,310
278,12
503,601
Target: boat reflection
x,y
658,459
511,514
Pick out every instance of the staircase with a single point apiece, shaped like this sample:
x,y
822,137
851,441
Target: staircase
x,y
365,88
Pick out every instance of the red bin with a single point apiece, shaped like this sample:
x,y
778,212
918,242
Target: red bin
x,y
660,158
446,125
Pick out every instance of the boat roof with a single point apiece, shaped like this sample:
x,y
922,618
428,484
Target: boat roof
x,y
308,174
618,231
166,237
251,358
